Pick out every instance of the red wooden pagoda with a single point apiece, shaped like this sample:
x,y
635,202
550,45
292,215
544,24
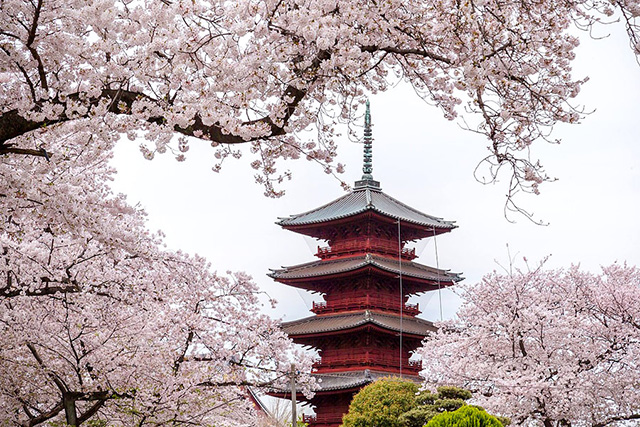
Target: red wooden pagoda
x,y
364,329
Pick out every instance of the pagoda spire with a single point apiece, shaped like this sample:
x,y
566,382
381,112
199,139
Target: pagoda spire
x,y
367,165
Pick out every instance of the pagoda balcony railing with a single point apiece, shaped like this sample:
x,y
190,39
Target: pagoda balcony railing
x,y
364,304
412,309
309,419
386,361
323,418
372,244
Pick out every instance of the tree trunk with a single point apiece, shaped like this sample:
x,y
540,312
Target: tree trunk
x,y
70,410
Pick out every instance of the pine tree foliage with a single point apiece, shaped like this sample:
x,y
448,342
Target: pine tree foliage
x,y
466,416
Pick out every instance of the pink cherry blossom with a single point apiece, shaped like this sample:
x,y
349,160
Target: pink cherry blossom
x,y
261,71
99,322
546,348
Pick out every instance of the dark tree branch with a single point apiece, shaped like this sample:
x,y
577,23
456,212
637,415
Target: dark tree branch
x,y
32,36
58,382
400,51
8,149
71,287
44,416
181,358
121,101
616,419
91,411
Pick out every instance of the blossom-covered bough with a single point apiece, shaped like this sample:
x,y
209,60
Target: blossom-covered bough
x,y
258,72
552,348
99,322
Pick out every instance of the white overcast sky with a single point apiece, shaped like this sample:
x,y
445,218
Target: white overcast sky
x,y
427,162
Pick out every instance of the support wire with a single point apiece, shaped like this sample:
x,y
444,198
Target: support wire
x,y
401,292
435,245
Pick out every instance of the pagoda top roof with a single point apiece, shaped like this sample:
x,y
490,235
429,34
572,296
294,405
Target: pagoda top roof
x,y
340,322
342,265
366,196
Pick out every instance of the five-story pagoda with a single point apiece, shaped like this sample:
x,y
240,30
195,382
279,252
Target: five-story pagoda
x,y
364,329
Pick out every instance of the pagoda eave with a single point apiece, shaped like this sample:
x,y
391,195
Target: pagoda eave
x,y
340,382
409,230
286,394
331,324
367,269
307,339
412,285
412,272
335,389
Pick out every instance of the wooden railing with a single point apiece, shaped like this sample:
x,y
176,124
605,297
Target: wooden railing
x,y
372,244
309,419
412,309
363,303
386,361
323,418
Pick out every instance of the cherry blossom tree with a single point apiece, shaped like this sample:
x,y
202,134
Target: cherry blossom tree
x,y
546,348
99,322
258,72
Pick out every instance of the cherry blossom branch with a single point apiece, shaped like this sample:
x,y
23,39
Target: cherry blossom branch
x,y
9,149
617,419
54,377
92,410
32,36
185,349
35,420
13,124
406,52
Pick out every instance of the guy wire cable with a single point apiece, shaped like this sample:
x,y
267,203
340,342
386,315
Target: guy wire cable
x,y
401,293
435,246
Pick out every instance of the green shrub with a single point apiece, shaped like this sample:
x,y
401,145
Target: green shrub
x,y
449,405
466,416
451,392
426,398
381,403
418,416
394,402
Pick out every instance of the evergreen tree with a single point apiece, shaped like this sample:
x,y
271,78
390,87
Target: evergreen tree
x,y
466,416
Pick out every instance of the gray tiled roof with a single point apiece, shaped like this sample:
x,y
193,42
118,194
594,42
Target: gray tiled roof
x,y
342,265
351,379
339,322
348,380
360,200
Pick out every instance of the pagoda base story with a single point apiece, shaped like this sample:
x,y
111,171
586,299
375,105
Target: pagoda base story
x,y
329,409
337,389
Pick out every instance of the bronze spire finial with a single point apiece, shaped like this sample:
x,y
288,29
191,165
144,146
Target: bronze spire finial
x,y
367,167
